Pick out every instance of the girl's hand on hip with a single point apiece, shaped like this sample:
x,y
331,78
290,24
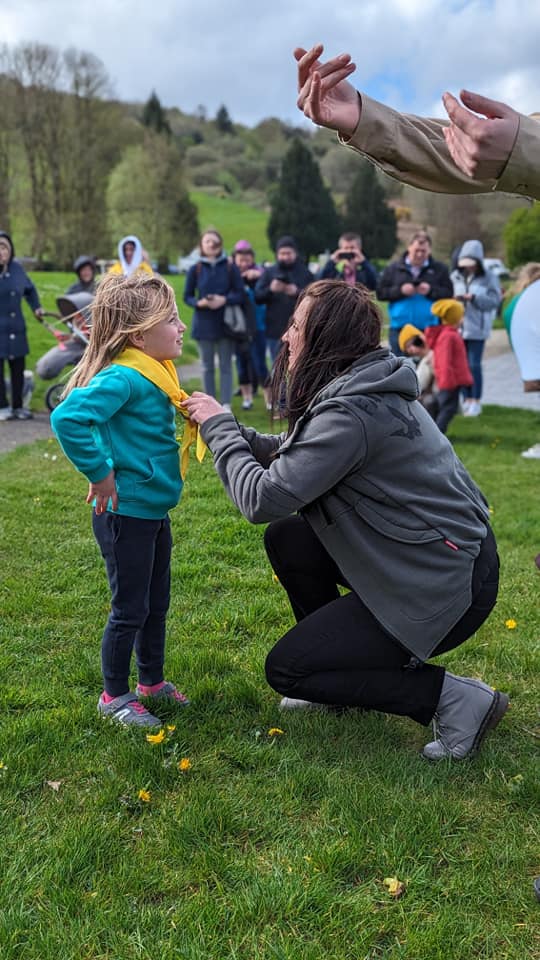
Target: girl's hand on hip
x,y
103,491
201,407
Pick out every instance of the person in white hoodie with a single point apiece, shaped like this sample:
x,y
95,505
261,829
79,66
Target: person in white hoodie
x,y
131,258
478,289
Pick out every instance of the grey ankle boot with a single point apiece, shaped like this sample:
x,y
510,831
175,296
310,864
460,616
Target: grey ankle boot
x,y
467,710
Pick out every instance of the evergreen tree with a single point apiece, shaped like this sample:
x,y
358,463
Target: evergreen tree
x,y
301,205
223,120
153,115
367,213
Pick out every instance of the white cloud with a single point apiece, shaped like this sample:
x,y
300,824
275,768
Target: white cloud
x,y
241,54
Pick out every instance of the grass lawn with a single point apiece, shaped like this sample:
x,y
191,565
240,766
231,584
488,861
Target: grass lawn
x,y
235,221
268,847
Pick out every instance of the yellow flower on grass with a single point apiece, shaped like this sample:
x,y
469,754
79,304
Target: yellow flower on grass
x,y
394,886
184,764
2,765
171,727
156,737
510,624
145,796
275,732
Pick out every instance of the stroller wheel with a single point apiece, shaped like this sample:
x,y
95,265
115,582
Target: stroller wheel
x,y
53,395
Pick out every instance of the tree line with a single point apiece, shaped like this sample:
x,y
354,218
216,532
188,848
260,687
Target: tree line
x,y
76,168
79,169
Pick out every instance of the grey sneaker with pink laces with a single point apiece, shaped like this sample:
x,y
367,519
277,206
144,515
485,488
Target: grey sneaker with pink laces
x,y
128,711
163,691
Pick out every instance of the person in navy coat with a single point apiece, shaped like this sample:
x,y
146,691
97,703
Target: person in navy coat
x,y
14,285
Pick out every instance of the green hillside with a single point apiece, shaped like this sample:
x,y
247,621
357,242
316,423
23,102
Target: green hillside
x,y
235,221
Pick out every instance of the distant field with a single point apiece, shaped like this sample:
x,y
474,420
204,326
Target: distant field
x,y
235,221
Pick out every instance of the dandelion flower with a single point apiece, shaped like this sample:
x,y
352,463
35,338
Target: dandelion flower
x,y
510,624
394,886
145,796
171,727
275,732
184,764
2,765
156,737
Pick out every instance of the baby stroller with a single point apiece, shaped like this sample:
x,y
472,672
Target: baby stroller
x,y
74,313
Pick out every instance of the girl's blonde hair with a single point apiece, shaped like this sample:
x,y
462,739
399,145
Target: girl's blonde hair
x,y
122,306
527,275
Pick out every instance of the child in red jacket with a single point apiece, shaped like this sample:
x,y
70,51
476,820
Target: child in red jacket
x,y
449,358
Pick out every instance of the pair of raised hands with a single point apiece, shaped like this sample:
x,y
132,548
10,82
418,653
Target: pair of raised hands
x,y
479,146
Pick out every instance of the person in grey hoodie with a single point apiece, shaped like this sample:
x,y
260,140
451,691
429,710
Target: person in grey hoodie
x,y
478,289
364,491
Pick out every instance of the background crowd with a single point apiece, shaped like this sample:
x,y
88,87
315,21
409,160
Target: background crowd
x,y
439,316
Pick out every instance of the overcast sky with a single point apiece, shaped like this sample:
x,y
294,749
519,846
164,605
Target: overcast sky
x,y
240,54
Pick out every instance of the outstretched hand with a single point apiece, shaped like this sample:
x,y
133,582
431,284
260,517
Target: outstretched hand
x,y
480,146
324,93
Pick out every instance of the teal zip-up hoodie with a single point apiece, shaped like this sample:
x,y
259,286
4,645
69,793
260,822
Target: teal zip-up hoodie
x,y
121,420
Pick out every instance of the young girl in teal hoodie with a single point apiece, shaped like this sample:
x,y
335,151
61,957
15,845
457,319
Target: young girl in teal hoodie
x,y
116,424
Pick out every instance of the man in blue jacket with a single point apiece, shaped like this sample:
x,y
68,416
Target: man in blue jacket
x,y
411,284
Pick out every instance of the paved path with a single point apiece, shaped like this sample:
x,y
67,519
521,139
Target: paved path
x,y
502,385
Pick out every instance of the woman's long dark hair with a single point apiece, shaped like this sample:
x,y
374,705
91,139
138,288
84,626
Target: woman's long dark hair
x,y
343,324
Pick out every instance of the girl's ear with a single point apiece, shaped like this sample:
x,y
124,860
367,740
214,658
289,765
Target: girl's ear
x,y
136,340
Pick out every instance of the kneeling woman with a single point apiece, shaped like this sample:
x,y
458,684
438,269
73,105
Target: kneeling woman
x,y
364,491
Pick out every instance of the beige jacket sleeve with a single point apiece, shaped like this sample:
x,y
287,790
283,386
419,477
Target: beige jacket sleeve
x,y
413,149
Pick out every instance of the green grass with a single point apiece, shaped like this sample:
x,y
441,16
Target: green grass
x,y
235,221
267,848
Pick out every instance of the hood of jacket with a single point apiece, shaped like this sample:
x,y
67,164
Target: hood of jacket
x,y
6,236
432,334
83,260
473,249
213,263
378,371
129,268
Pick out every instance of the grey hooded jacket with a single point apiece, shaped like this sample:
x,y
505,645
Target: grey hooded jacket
x,y
481,311
382,489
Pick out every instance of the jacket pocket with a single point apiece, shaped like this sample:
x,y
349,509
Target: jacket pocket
x,y
163,483
415,532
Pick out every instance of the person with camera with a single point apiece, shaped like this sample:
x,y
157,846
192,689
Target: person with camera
x,y
278,288
349,263
410,285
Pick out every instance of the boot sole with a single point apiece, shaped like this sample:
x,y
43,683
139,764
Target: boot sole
x,y
494,715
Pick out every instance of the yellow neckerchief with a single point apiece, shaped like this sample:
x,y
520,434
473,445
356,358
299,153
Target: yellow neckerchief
x,y
163,374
